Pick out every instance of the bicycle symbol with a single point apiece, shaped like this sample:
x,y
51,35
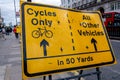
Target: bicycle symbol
x,y
39,32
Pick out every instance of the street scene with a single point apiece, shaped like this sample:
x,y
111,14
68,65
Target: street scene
x,y
60,40
10,63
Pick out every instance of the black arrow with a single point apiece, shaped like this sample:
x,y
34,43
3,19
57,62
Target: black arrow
x,y
44,43
94,42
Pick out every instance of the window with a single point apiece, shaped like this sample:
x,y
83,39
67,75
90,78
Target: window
x,y
86,1
115,5
63,1
68,1
107,15
118,5
79,3
112,6
117,16
116,24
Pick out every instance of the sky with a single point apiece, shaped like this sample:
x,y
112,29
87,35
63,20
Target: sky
x,y
8,10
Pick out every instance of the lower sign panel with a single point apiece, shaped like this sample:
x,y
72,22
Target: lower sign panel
x,y
62,63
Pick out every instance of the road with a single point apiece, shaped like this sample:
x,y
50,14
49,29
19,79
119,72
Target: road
x,y
10,63
111,72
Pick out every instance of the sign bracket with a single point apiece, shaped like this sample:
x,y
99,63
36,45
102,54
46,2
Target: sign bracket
x,y
49,77
98,72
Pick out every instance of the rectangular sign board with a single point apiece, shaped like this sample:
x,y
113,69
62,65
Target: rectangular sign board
x,y
57,40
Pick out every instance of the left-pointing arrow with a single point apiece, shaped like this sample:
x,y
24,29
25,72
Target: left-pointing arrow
x,y
44,43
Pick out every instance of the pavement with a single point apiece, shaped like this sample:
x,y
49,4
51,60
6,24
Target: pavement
x,y
10,58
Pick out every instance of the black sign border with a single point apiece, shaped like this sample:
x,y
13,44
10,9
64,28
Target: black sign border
x,y
60,70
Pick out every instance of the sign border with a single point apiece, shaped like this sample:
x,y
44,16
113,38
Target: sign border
x,y
60,70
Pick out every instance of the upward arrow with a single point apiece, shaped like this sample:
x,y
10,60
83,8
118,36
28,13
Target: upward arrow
x,y
94,42
44,43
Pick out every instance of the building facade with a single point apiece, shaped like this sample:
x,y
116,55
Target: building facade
x,y
104,5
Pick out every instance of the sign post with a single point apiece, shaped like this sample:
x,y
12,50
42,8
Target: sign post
x,y
57,40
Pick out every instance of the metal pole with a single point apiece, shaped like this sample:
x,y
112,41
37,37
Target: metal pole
x,y
15,12
80,73
0,12
98,75
50,77
44,77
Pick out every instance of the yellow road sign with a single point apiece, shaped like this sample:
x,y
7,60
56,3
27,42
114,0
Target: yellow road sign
x,y
57,39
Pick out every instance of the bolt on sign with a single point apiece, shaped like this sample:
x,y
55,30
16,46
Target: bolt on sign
x,y
57,39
